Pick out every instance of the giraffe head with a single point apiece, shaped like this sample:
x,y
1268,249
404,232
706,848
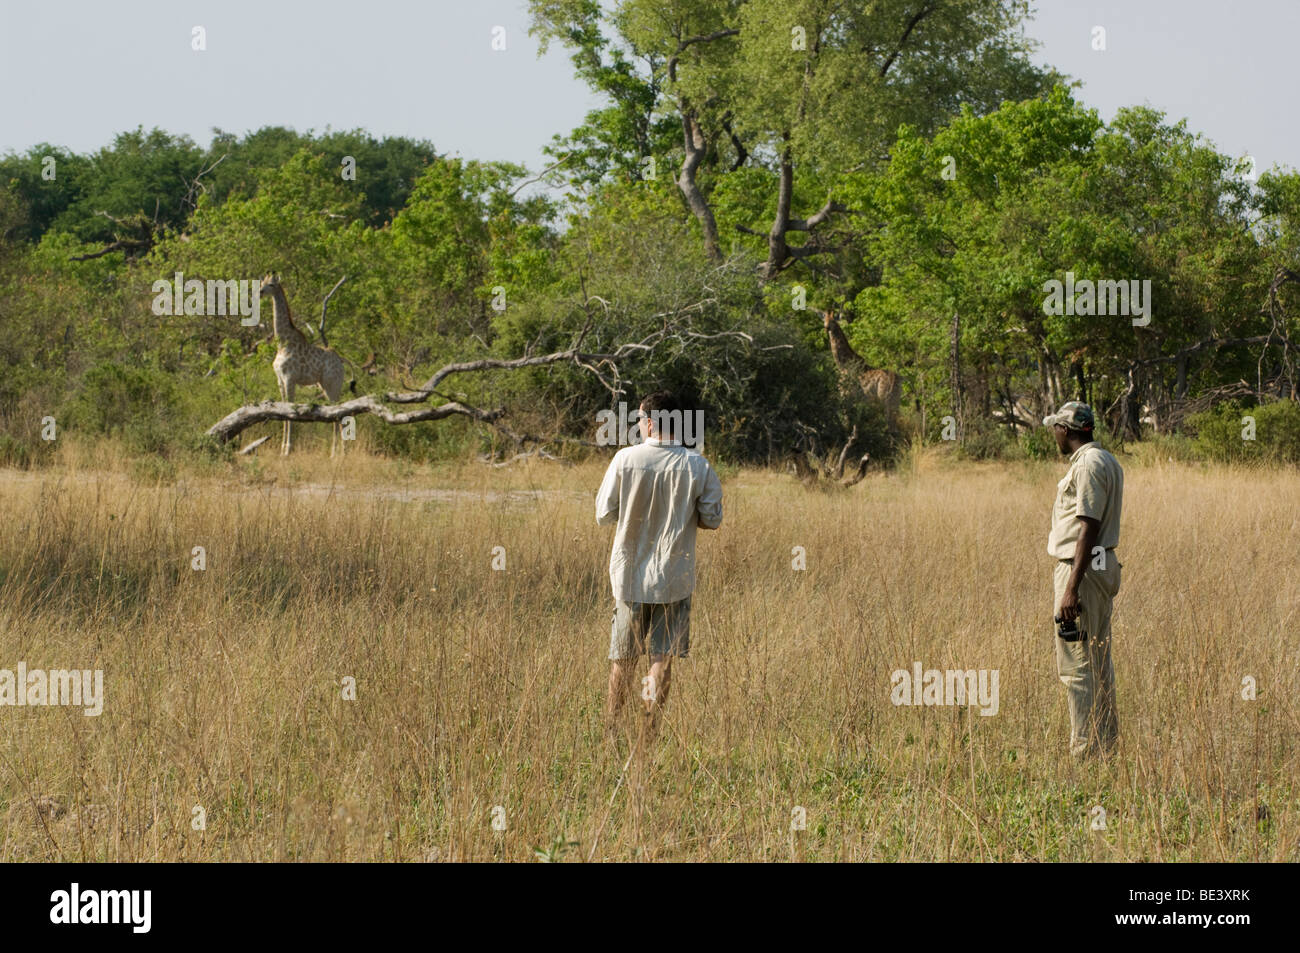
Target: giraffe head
x,y
828,318
271,281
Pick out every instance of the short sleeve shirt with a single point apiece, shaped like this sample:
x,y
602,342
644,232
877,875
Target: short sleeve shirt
x,y
1092,487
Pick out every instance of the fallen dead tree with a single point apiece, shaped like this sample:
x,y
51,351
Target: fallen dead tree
x,y
239,420
603,364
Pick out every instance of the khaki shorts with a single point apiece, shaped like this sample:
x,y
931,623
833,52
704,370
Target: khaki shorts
x,y
668,626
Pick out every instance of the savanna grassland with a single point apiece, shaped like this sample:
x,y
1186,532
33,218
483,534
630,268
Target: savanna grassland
x,y
478,687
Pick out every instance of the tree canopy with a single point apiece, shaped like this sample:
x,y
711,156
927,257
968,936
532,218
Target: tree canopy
x,y
756,168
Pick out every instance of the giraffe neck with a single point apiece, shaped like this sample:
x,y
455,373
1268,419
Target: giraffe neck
x,y
841,349
285,331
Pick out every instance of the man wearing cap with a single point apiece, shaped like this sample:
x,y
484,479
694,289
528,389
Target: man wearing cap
x,y
1085,532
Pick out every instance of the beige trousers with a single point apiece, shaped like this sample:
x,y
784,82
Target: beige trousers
x,y
1085,667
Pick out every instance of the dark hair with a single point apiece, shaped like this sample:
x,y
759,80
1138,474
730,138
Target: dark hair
x,y
659,406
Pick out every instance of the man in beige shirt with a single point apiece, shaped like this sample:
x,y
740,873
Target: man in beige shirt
x,y
658,492
1085,532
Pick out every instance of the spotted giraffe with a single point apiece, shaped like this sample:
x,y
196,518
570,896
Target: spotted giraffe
x,y
298,361
877,383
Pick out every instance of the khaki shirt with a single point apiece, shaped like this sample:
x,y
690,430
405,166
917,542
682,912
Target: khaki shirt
x,y
1093,487
659,493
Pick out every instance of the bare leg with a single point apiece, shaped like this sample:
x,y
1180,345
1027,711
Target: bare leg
x,y
660,679
621,673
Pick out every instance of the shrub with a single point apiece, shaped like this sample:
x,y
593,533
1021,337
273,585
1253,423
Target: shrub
x,y
1038,443
15,452
27,396
1223,434
987,440
425,442
138,404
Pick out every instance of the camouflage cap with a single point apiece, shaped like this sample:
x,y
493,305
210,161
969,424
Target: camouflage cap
x,y
1073,415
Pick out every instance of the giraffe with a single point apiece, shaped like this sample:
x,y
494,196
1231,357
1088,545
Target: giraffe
x,y
298,361
877,384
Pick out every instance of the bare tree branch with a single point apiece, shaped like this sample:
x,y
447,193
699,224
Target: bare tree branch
x,y
325,304
921,14
122,244
146,232
239,420
191,199
812,221
707,37
1210,343
598,363
539,176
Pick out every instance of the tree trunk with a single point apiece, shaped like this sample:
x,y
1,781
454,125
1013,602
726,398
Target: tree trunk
x,y
1044,393
777,249
696,146
955,374
1129,424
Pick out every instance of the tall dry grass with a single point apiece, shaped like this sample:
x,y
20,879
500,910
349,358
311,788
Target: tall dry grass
x,y
479,688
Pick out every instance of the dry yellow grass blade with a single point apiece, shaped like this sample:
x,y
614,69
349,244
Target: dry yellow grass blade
x,y
476,729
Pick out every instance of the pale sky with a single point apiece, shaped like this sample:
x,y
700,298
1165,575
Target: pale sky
x,y
76,72
1227,66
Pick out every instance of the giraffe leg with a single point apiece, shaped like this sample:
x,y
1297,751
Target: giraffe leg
x,y
336,435
333,388
288,424
283,431
334,424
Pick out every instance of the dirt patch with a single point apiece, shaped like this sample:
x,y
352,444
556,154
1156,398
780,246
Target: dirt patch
x,y
324,491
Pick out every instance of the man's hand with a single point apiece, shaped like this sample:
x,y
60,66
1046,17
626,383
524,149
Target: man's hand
x,y
1070,605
